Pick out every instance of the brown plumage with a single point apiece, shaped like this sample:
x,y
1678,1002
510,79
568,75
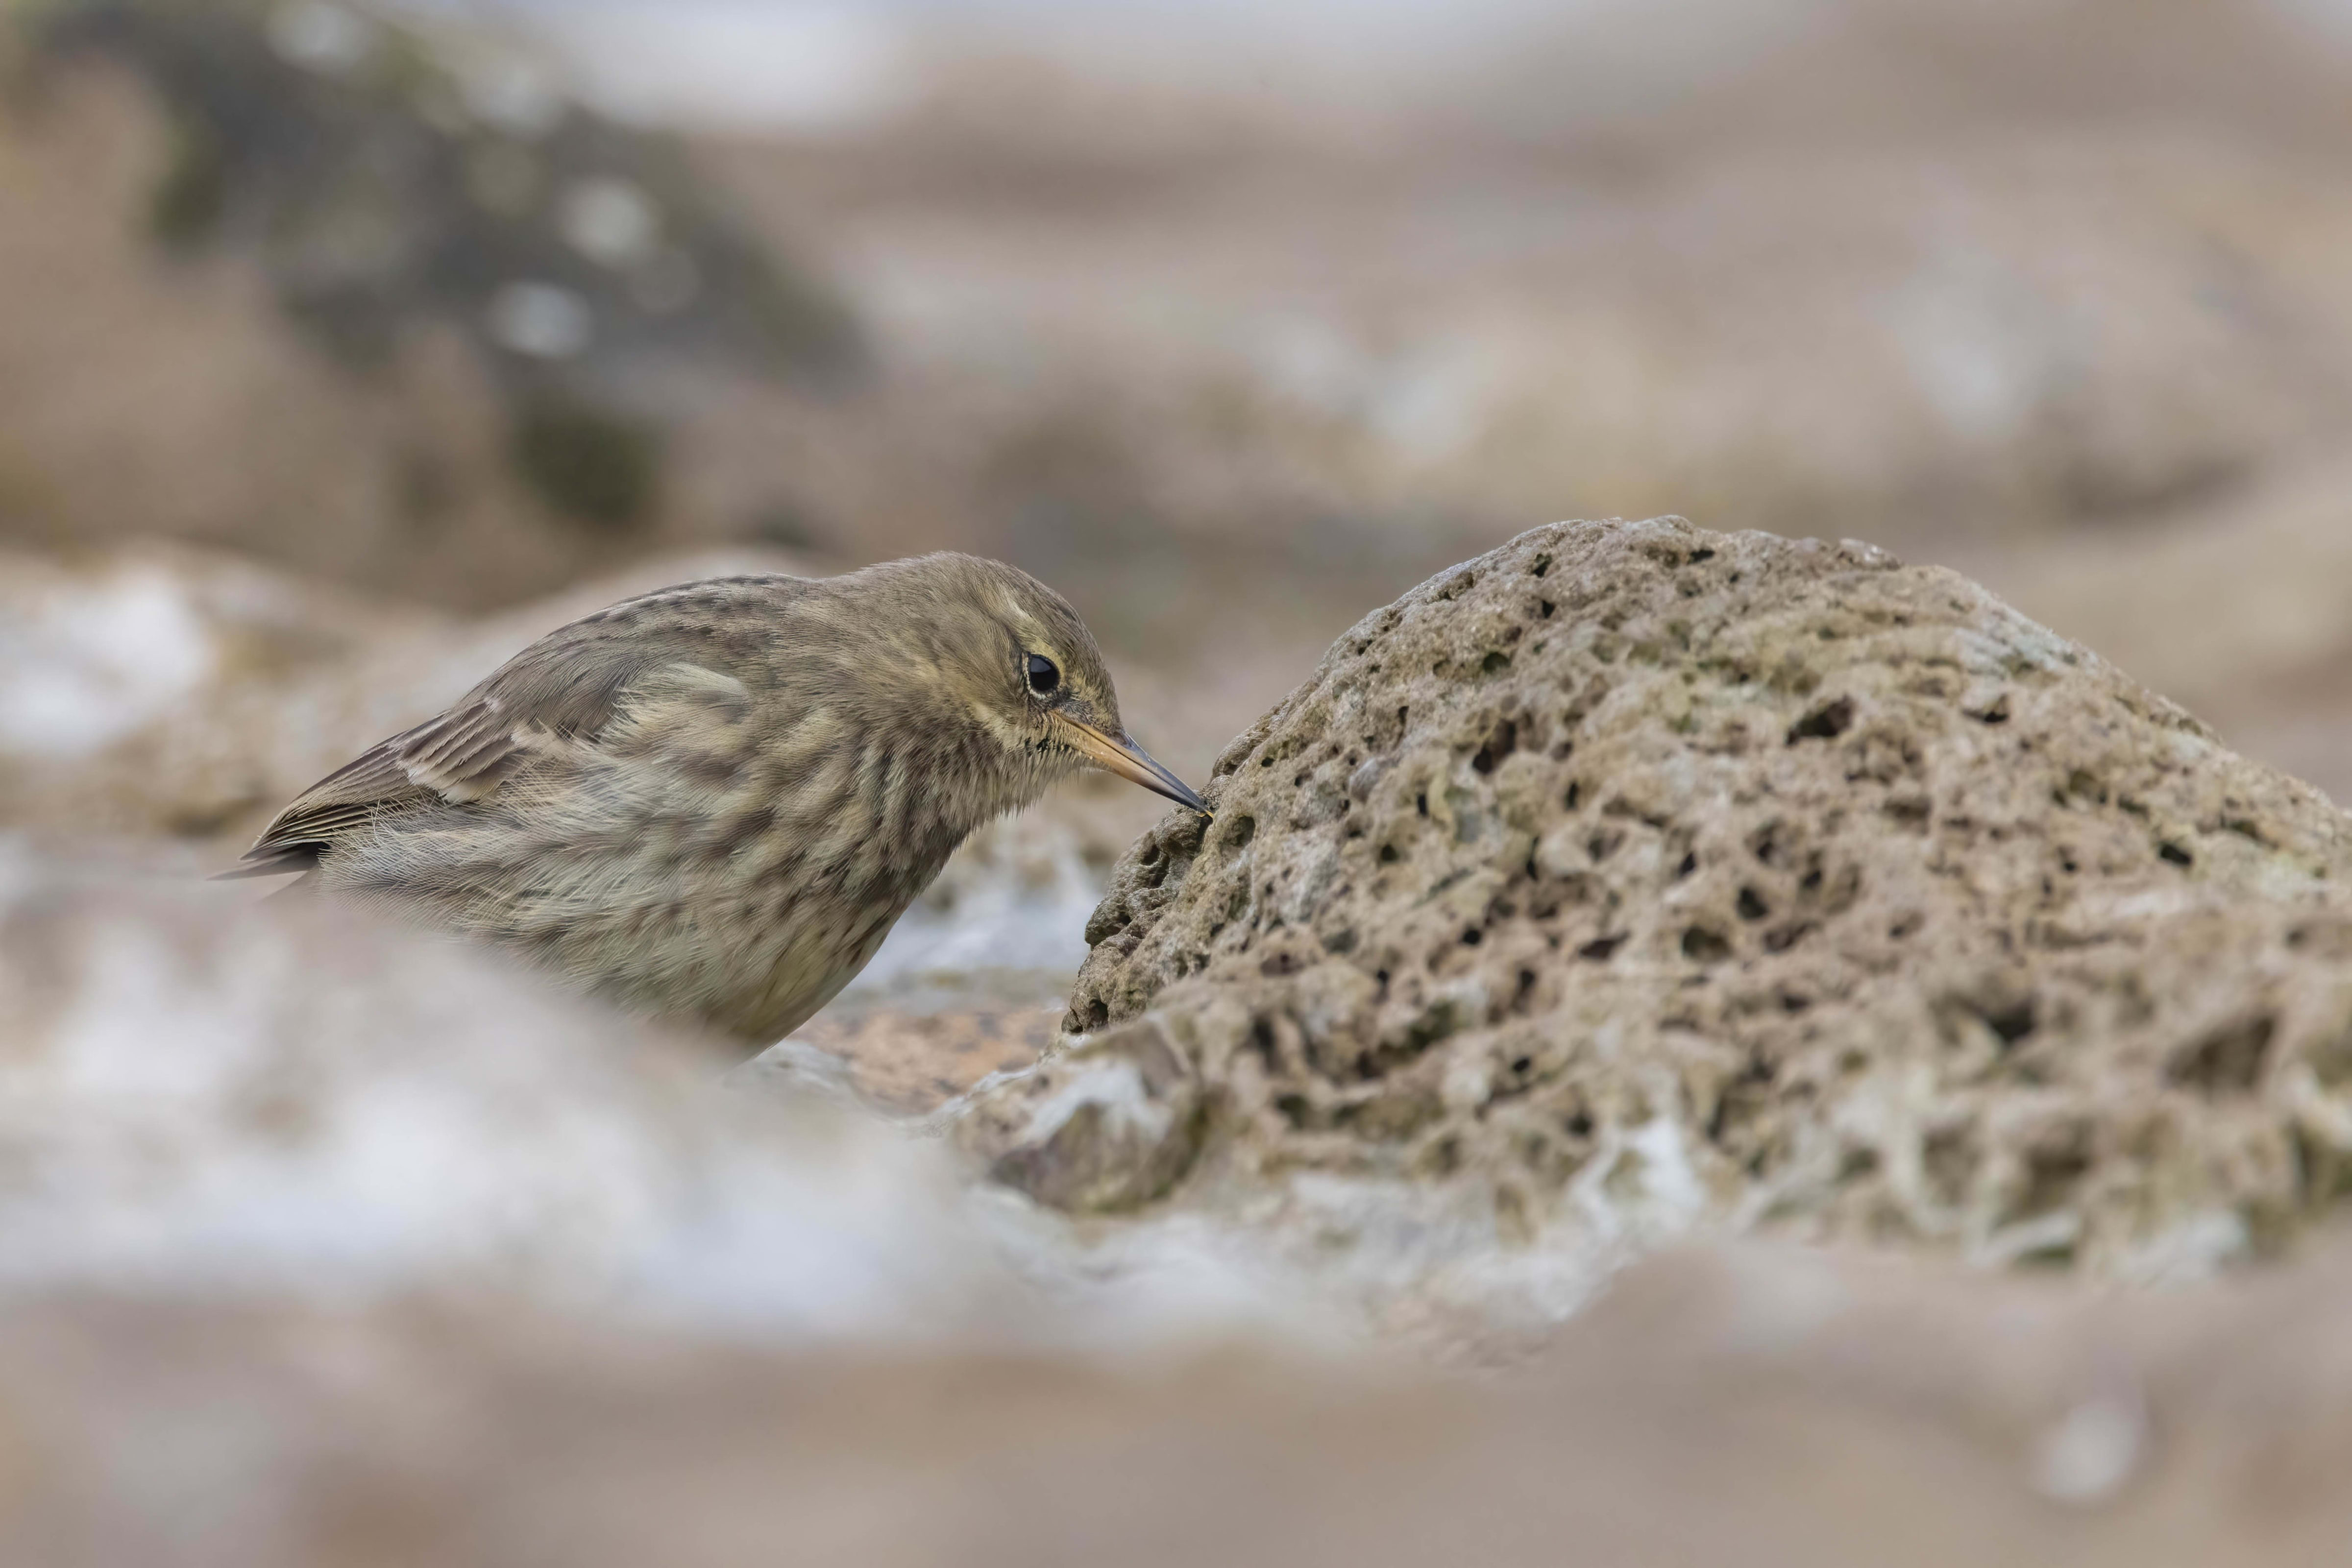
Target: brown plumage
x,y
715,799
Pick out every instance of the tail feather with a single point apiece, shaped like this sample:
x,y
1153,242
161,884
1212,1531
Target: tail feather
x,y
285,861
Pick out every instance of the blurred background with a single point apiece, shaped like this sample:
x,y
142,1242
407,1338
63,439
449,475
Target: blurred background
x,y
345,347
1231,320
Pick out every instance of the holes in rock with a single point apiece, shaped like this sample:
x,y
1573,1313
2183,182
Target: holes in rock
x,y
1388,856
1948,1158
1500,743
1705,946
1841,891
2010,1022
1601,949
1261,1041
1098,1014
1741,1100
2082,784
1437,1021
1519,1000
1544,608
1493,664
1827,722
2322,1175
1910,812
2330,938
1341,942
1697,556
1764,844
1752,906
2176,854
1420,802
1575,794
1240,833
1542,565
2054,1168
1473,936
1604,843
1788,937
1993,712
2229,1060
1688,865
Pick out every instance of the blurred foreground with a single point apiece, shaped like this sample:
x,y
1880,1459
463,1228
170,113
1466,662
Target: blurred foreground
x,y
328,1246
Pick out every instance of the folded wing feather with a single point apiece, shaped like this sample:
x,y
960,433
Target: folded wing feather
x,y
567,685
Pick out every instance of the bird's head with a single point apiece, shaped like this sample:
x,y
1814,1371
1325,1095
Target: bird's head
x,y
1009,662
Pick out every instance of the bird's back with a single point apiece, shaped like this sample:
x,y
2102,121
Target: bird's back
x,y
671,801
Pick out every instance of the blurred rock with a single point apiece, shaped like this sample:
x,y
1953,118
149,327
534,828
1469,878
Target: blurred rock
x,y
378,303
97,646
1891,267
285,1101
383,175
1742,1405
1634,879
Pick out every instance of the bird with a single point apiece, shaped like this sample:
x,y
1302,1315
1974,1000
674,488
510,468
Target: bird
x,y
712,802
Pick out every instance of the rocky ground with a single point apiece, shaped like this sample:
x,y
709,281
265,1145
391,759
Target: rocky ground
x,y
329,1243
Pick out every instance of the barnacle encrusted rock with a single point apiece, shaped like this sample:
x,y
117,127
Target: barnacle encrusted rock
x,y
1637,873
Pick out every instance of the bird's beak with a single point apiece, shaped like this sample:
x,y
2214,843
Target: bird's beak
x,y
1128,760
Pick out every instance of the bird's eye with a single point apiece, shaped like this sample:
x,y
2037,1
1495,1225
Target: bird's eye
x,y
1044,677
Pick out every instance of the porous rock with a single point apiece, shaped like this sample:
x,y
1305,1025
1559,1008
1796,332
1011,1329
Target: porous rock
x,y
1637,877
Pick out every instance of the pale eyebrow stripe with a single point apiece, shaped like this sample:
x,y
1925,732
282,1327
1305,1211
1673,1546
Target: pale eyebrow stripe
x,y
1013,608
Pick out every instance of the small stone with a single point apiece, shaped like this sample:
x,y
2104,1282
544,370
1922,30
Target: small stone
x,y
2092,1450
541,320
1109,1125
610,221
329,39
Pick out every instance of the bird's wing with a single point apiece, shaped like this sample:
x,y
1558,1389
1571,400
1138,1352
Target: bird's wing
x,y
565,687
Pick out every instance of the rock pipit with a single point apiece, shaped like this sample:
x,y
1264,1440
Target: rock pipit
x,y
714,801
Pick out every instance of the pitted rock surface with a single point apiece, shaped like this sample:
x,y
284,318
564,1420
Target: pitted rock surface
x,y
1634,873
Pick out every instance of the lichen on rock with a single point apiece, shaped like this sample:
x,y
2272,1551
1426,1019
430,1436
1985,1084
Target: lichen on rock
x,y
1634,877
